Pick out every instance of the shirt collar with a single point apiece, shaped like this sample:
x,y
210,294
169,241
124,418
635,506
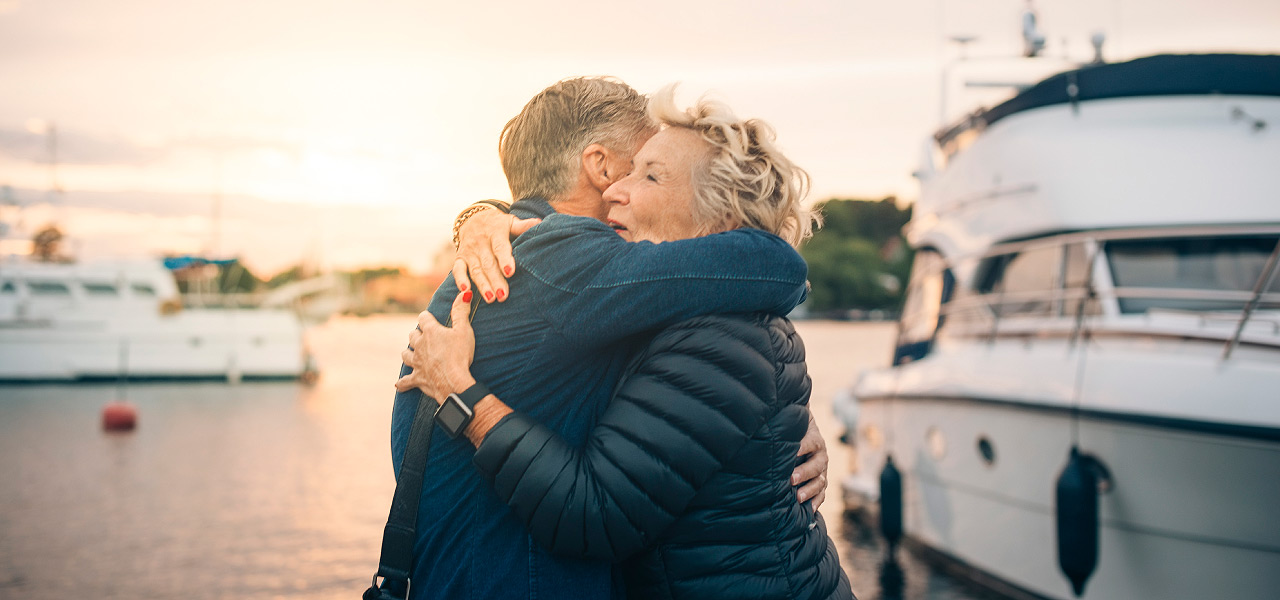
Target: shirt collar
x,y
535,206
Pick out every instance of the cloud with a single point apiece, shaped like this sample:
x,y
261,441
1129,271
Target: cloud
x,y
75,148
270,236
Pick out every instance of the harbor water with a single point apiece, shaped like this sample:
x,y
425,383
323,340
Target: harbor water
x,y
280,490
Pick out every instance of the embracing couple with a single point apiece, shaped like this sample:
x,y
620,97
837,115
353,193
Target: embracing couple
x,y
630,406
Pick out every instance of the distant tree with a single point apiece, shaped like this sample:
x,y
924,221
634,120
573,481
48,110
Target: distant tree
x,y
235,278
290,275
877,221
46,245
358,278
858,259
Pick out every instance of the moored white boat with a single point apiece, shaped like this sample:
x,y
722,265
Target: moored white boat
x,y
108,319
1096,269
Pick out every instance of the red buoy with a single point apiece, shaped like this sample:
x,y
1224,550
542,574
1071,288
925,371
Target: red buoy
x,y
119,416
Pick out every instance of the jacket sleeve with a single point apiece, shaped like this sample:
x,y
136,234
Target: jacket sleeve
x,y
613,288
694,400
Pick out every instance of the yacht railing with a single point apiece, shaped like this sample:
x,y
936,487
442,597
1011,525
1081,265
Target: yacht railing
x,y
1191,294
1050,312
1205,318
984,315
238,300
1264,282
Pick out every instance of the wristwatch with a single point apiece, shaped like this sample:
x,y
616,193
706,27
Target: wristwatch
x,y
456,411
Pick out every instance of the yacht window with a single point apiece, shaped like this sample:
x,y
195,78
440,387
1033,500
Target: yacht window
x,y
991,273
1022,283
48,288
1076,273
8,288
143,289
1075,277
1182,266
928,289
98,289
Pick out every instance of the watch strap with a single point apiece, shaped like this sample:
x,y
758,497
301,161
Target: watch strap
x,y
473,395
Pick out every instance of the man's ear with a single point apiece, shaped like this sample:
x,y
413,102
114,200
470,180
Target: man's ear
x,y
595,165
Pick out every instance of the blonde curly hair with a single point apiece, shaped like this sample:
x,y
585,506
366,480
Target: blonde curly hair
x,y
744,180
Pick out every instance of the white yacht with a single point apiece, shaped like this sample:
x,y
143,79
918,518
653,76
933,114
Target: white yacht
x,y
1095,285
112,319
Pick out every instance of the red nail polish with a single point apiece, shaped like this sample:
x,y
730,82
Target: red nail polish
x,y
507,270
466,296
488,297
501,294
462,287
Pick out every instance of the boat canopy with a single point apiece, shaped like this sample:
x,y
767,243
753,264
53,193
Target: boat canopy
x,y
1161,75
173,263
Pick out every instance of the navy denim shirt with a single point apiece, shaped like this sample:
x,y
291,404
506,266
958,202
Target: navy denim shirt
x,y
581,301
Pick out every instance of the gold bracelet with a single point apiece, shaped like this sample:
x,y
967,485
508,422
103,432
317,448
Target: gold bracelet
x,y
467,214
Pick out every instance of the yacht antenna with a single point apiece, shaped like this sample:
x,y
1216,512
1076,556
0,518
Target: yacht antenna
x,y
1032,37
6,200
55,189
1097,39
963,41
215,221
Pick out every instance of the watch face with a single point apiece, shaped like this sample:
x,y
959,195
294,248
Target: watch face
x,y
453,415
451,418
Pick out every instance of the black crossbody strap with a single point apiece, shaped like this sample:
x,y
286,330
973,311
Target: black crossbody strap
x,y
396,559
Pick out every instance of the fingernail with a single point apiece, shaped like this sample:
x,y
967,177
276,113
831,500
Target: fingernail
x,y
501,294
462,287
466,296
507,270
795,479
488,297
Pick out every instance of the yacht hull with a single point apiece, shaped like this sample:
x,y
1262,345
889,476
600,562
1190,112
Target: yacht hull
x,y
230,344
1190,509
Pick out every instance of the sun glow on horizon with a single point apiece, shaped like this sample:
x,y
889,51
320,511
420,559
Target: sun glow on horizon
x,y
359,131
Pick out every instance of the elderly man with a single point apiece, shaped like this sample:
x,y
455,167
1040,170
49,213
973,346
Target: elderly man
x,y
579,302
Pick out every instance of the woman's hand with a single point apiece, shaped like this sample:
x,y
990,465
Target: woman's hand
x,y
484,253
813,472
441,356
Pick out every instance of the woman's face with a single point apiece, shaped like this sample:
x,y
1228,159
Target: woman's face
x,y
655,202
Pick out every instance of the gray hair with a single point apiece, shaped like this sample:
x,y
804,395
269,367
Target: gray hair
x,y
541,148
744,180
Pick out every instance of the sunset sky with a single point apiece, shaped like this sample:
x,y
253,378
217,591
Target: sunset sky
x,y
350,133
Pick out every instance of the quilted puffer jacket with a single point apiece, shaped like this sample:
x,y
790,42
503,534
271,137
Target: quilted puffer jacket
x,y
685,480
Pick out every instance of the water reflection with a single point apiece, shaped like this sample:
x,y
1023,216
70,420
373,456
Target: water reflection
x,y
892,580
277,489
250,490
879,572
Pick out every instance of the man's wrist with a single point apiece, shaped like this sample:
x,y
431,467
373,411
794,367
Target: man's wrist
x,y
489,410
460,381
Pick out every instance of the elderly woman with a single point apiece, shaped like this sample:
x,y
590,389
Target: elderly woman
x,y
685,480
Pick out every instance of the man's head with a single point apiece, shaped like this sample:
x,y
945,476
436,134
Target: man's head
x,y
574,137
